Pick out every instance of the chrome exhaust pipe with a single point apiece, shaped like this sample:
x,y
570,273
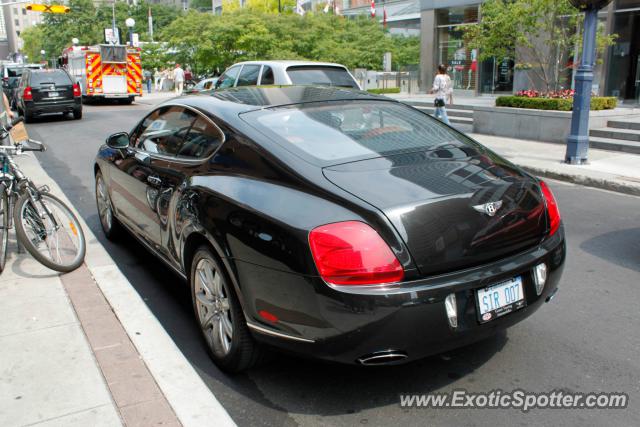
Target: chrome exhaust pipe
x,y
553,294
388,357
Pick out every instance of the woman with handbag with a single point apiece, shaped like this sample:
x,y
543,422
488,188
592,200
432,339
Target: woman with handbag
x,y
443,90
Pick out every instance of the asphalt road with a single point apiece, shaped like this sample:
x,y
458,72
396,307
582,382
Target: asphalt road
x,y
586,340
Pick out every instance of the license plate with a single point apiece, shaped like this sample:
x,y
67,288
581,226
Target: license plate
x,y
500,299
53,94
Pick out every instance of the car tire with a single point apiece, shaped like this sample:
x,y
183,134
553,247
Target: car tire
x,y
77,114
110,225
28,117
219,315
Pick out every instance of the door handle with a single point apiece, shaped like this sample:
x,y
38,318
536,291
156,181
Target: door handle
x,y
154,180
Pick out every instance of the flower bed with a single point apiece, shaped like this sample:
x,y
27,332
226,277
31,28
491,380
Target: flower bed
x,y
560,103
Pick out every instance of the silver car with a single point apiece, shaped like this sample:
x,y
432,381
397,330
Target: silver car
x,y
283,73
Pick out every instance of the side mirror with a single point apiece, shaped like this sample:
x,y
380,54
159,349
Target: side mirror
x,y
118,140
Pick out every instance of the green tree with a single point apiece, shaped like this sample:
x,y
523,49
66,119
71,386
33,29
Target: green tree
x,y
87,22
264,6
206,41
33,38
541,34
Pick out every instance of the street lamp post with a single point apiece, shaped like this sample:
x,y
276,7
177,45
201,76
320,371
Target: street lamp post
x,y
578,140
130,22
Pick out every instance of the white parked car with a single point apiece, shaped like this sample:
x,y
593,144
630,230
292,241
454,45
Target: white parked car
x,y
283,73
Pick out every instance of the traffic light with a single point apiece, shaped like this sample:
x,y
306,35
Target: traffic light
x,y
48,8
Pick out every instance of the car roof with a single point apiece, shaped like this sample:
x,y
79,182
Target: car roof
x,y
289,63
228,103
20,65
45,70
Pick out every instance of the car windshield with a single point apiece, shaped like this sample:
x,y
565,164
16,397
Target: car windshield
x,y
53,77
344,131
321,76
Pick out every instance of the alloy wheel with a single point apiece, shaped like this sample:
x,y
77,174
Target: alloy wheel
x,y
104,205
213,309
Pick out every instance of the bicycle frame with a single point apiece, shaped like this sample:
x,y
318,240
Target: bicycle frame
x,y
17,182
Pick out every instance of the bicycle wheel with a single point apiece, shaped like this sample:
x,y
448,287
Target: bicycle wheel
x,y
4,225
54,238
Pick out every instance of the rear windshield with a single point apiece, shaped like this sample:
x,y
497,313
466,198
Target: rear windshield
x,y
345,131
109,53
57,77
319,75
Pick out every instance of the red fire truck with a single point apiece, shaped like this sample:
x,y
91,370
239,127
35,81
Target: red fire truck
x,y
105,71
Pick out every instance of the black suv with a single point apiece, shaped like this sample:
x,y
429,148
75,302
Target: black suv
x,y
48,91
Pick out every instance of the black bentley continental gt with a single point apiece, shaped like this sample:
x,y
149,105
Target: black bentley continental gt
x,y
331,223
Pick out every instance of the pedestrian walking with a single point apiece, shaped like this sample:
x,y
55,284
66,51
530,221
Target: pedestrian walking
x,y
178,79
163,77
443,90
156,79
147,78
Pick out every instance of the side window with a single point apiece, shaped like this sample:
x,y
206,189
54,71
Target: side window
x,y
228,78
201,141
249,75
164,130
267,76
207,85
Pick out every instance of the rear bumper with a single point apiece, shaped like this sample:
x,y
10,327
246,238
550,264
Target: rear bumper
x,y
65,106
411,321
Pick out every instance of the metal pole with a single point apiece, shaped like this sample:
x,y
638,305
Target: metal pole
x,y
113,19
578,140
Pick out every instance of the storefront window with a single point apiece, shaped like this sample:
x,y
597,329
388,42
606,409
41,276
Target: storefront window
x,y
461,61
496,75
624,56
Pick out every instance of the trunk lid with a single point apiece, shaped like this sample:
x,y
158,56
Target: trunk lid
x,y
437,201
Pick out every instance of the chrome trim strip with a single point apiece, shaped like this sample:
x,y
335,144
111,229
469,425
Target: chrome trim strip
x,y
380,359
276,334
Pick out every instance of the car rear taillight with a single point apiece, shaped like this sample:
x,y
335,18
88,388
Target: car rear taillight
x,y
552,208
352,253
27,95
76,90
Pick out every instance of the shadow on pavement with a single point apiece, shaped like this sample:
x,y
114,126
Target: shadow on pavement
x,y
614,247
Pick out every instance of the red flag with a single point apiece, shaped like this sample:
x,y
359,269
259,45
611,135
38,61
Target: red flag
x,y
384,16
373,8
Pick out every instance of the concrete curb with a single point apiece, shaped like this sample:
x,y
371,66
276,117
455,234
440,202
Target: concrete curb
x,y
192,401
603,184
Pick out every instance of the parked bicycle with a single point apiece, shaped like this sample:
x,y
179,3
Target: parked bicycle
x,y
44,225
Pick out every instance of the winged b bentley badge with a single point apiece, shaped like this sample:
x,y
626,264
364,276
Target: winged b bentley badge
x,y
489,208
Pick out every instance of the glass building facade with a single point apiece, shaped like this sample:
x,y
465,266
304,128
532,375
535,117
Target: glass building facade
x,y
623,76
617,74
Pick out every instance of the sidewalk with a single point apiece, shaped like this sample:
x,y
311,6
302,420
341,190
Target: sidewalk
x,y
83,349
473,101
48,374
154,97
615,171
